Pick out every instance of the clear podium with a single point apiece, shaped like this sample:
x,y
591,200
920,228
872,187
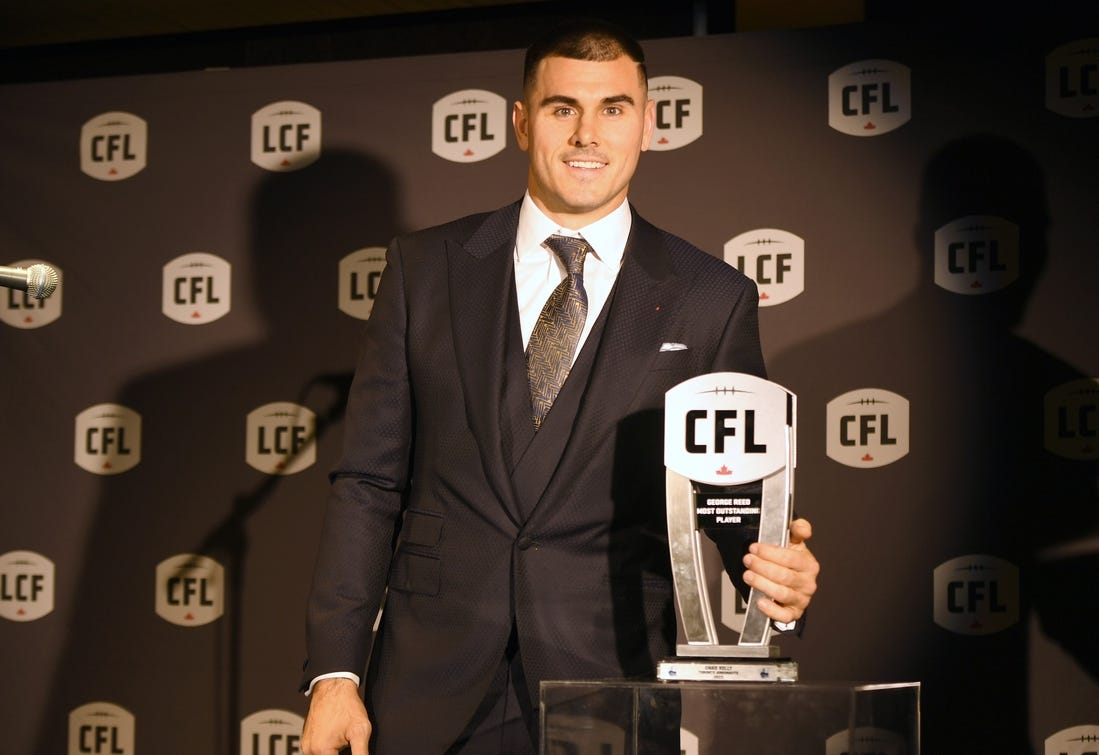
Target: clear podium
x,y
707,718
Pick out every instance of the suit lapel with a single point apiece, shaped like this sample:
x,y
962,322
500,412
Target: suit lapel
x,y
480,273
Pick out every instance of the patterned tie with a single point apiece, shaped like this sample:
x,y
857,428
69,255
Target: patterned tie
x,y
555,335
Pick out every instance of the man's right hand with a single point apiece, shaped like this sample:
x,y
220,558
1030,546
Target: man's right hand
x,y
337,718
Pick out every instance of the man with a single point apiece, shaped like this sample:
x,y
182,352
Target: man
x,y
513,548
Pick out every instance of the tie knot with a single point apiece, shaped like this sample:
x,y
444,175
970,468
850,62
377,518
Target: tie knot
x,y
571,250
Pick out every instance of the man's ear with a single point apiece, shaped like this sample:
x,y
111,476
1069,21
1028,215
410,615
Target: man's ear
x,y
520,123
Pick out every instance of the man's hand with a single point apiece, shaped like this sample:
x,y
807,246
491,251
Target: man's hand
x,y
788,575
336,718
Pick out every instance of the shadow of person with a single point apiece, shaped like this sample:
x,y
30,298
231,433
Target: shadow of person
x,y
193,492
976,481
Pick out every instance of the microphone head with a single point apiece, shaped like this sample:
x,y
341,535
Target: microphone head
x,y
41,281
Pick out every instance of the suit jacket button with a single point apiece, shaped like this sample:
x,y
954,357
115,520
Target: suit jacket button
x,y
524,542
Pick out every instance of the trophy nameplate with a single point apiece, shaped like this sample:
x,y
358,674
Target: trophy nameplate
x,y
729,453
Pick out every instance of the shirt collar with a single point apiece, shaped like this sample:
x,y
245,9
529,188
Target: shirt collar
x,y
607,235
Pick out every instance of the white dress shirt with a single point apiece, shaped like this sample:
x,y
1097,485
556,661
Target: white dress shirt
x,y
538,270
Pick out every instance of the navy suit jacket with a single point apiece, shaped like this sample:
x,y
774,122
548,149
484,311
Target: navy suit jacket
x,y
426,511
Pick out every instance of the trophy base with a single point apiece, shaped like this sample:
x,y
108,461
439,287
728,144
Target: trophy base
x,y
727,670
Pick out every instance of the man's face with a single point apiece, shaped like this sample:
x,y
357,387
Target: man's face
x,y
584,125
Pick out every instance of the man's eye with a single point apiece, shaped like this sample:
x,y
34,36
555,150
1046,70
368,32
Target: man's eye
x,y
563,112
614,110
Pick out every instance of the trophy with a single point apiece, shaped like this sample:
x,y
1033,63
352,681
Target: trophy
x,y
729,453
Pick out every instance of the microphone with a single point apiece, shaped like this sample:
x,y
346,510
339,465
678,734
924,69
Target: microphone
x,y
37,280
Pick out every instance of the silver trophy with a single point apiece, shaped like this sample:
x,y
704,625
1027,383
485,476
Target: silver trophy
x,y
729,452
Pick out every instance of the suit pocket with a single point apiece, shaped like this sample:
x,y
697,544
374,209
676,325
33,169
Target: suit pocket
x,y
671,360
415,572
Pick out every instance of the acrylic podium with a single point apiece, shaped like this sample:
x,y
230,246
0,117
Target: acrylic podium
x,y
729,718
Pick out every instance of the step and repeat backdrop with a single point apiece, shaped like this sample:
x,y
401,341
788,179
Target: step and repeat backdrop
x,y
918,207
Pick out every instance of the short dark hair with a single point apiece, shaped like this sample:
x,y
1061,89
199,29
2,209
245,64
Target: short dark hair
x,y
584,39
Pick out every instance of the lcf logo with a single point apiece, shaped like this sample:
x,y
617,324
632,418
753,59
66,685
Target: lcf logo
x,y
21,310
196,288
108,439
360,273
867,427
1071,412
1075,740
678,110
1072,79
26,586
113,146
469,125
869,98
271,732
101,728
774,259
286,136
281,438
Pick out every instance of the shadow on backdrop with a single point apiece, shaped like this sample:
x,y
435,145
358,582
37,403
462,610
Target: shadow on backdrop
x,y
194,493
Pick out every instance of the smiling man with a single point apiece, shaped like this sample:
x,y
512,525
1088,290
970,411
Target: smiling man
x,y
502,483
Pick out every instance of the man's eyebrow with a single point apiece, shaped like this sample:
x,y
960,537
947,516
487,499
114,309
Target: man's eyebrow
x,y
561,99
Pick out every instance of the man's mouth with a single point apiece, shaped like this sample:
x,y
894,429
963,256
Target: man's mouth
x,y
587,164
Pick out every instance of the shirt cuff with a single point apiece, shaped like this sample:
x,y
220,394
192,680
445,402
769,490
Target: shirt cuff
x,y
784,626
333,675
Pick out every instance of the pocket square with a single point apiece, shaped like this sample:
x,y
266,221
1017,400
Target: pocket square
x,y
673,347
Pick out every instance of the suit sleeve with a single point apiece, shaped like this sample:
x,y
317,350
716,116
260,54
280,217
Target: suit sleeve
x,y
367,494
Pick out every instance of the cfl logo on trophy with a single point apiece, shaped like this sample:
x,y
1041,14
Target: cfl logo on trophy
x,y
108,439
1071,419
113,146
26,586
678,110
869,98
469,125
360,273
867,427
865,740
271,732
1072,79
976,254
281,438
1075,740
196,288
976,594
101,728
774,259
190,590
21,310
286,136
713,417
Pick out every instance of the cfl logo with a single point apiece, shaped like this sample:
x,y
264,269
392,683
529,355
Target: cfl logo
x,y
469,125
271,732
678,112
108,439
869,98
21,310
286,136
113,146
190,590
774,259
196,288
26,586
101,728
867,428
360,274
976,594
1072,79
281,438
976,254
